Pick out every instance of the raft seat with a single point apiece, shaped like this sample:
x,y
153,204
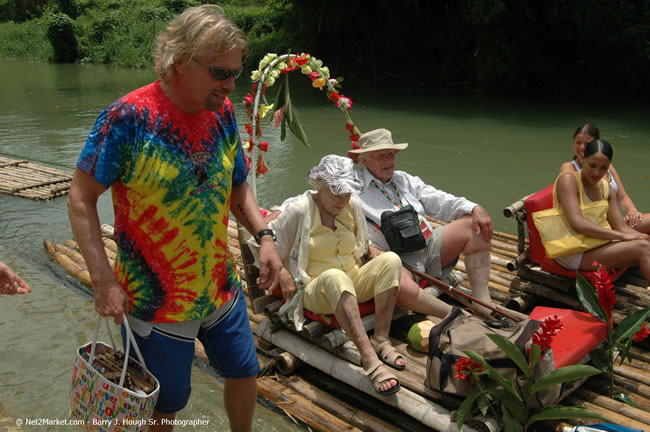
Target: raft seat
x,y
543,200
582,332
330,321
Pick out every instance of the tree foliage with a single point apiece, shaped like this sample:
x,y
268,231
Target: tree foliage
x,y
582,47
61,33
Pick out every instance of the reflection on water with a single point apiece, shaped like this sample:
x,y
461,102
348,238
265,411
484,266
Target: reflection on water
x,y
491,151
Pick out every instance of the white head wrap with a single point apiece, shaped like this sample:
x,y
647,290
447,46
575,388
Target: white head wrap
x,y
338,173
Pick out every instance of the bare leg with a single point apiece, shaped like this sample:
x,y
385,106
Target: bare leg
x,y
384,306
347,314
459,238
157,421
620,254
414,298
240,397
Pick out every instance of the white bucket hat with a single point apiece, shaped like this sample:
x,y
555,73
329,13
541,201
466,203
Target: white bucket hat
x,y
338,173
378,139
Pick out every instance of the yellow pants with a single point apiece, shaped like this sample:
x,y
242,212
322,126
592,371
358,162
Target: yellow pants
x,y
382,273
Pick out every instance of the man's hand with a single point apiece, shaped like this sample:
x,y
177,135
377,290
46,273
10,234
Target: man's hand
x,y
482,223
111,301
270,265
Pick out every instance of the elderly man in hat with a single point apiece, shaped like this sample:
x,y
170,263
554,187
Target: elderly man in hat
x,y
436,251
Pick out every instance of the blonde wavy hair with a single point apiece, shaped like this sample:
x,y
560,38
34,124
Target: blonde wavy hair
x,y
197,29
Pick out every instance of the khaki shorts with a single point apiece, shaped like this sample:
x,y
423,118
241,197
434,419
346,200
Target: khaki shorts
x,y
428,259
382,273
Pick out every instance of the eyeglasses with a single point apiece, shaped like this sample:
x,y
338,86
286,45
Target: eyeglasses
x,y
221,73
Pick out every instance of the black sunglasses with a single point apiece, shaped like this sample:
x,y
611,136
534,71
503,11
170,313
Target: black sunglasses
x,y
219,72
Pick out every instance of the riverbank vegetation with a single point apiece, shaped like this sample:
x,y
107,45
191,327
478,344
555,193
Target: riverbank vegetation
x,y
589,47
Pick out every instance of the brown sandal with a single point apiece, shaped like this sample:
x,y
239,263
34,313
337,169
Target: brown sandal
x,y
379,375
388,353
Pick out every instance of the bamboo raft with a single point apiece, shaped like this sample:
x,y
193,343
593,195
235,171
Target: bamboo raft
x,y
28,180
316,378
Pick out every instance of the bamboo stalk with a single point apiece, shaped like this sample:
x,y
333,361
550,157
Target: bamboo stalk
x,y
68,264
338,337
424,410
631,372
610,416
614,405
355,417
287,363
16,162
301,407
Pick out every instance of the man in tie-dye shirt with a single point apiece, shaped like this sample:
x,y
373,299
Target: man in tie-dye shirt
x,y
171,154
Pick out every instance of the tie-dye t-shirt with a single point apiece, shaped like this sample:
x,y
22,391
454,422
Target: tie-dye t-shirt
x,y
171,176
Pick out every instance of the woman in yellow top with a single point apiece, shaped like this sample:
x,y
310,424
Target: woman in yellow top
x,y
627,246
322,239
586,133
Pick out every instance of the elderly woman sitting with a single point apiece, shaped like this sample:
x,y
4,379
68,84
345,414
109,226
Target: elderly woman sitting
x,y
321,238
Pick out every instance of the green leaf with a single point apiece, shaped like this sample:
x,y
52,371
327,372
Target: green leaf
x,y
564,374
501,395
589,298
624,398
290,119
483,404
465,409
535,355
600,359
496,376
510,424
511,351
515,409
559,412
630,325
625,351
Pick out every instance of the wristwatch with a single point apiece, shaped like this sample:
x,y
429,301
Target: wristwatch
x,y
265,232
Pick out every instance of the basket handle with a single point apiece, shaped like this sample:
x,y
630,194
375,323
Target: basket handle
x,y
129,339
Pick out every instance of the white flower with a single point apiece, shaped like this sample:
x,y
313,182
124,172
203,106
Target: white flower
x,y
266,60
269,81
274,73
344,103
281,66
305,69
256,75
325,71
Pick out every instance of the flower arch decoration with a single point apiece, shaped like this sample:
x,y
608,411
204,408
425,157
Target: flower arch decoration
x,y
272,69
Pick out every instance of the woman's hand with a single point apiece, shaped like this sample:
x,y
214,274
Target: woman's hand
x,y
286,284
11,283
633,218
374,251
635,236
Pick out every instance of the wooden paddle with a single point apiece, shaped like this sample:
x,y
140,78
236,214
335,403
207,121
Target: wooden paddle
x,y
458,294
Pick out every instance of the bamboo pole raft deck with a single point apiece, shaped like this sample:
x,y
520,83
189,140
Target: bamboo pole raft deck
x,y
28,180
316,378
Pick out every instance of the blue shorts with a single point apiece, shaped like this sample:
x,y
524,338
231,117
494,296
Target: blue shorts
x,y
228,342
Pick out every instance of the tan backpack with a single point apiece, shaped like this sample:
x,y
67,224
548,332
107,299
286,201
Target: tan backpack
x,y
458,332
